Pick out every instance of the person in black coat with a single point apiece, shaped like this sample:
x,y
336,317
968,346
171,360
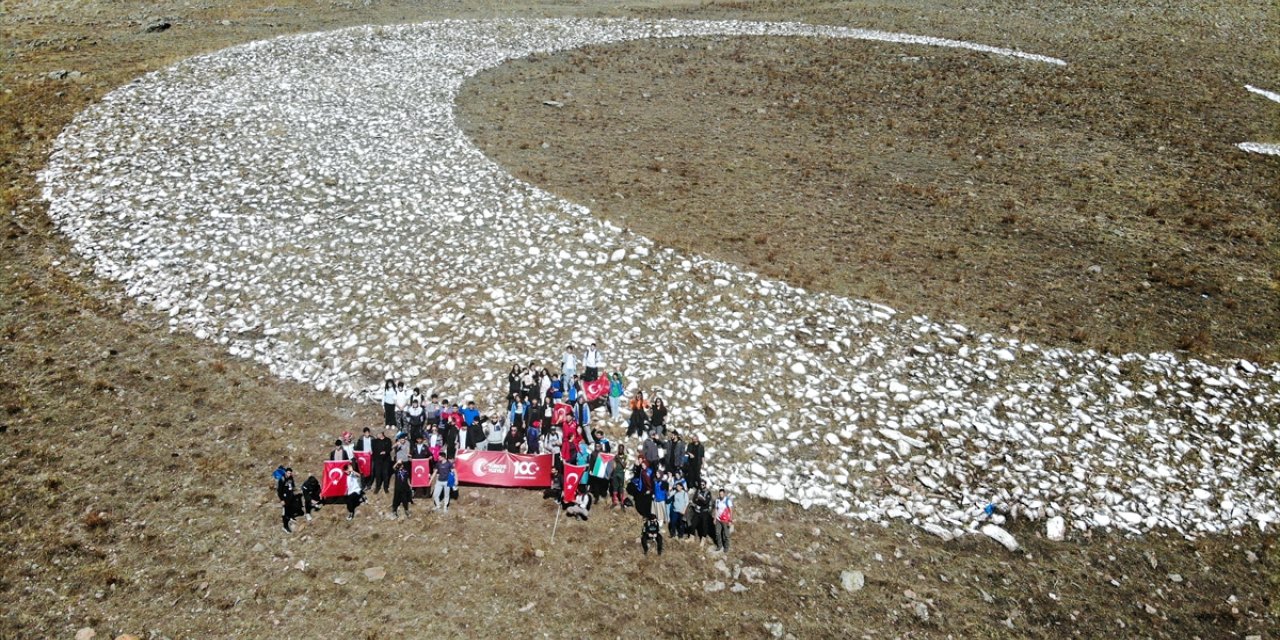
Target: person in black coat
x,y
651,533
694,453
381,462
290,500
403,496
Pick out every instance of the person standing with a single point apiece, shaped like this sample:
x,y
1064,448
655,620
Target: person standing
x,y
582,412
723,521
651,533
700,506
658,416
441,489
339,452
616,389
618,478
381,463
365,445
290,500
661,492
416,417
679,504
355,494
694,453
568,365
639,415
389,403
652,451
402,496
402,403
591,363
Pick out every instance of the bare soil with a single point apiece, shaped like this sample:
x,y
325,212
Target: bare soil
x,y
136,462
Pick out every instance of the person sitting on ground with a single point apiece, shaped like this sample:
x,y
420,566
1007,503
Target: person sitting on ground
x,y
581,506
651,533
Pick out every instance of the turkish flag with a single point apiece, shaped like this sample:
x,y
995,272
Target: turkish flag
x,y
334,484
596,389
420,472
364,462
572,478
561,412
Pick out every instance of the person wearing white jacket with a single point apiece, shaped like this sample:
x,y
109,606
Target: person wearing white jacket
x,y
568,366
354,489
592,362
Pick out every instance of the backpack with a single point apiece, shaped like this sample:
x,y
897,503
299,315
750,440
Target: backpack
x,y
278,474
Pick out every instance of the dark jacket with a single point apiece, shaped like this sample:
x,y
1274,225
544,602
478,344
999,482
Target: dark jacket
x,y
382,451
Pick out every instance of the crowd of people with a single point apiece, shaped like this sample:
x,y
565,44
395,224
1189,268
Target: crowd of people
x,y
542,413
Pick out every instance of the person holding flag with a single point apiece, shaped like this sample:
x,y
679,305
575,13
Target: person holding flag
x,y
723,521
355,493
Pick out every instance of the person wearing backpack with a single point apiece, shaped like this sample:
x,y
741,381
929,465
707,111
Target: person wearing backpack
x,y
723,521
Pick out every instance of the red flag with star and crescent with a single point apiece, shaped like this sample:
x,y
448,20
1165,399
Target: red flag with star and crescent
x,y
596,389
334,484
561,412
364,462
572,477
420,472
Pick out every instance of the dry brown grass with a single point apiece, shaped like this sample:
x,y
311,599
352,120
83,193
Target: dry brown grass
x,y
1066,206
115,437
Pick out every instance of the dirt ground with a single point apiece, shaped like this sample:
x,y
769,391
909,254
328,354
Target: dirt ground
x,y
136,486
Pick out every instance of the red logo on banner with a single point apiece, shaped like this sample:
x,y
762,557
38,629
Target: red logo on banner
x,y
502,469
420,472
596,389
560,412
334,484
572,477
364,462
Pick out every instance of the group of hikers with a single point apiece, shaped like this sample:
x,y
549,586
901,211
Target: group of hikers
x,y
544,413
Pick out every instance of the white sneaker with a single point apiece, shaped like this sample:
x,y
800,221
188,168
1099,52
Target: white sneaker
x,y
308,517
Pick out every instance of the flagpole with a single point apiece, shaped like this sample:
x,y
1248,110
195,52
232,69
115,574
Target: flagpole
x,y
553,527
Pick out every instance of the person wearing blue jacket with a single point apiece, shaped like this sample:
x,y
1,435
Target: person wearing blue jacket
x,y
661,493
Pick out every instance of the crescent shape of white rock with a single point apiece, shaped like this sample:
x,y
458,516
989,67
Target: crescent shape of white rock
x,y
1262,147
311,203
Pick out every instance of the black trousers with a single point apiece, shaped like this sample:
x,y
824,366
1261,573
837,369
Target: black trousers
x,y
591,374
381,477
644,543
353,501
389,414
